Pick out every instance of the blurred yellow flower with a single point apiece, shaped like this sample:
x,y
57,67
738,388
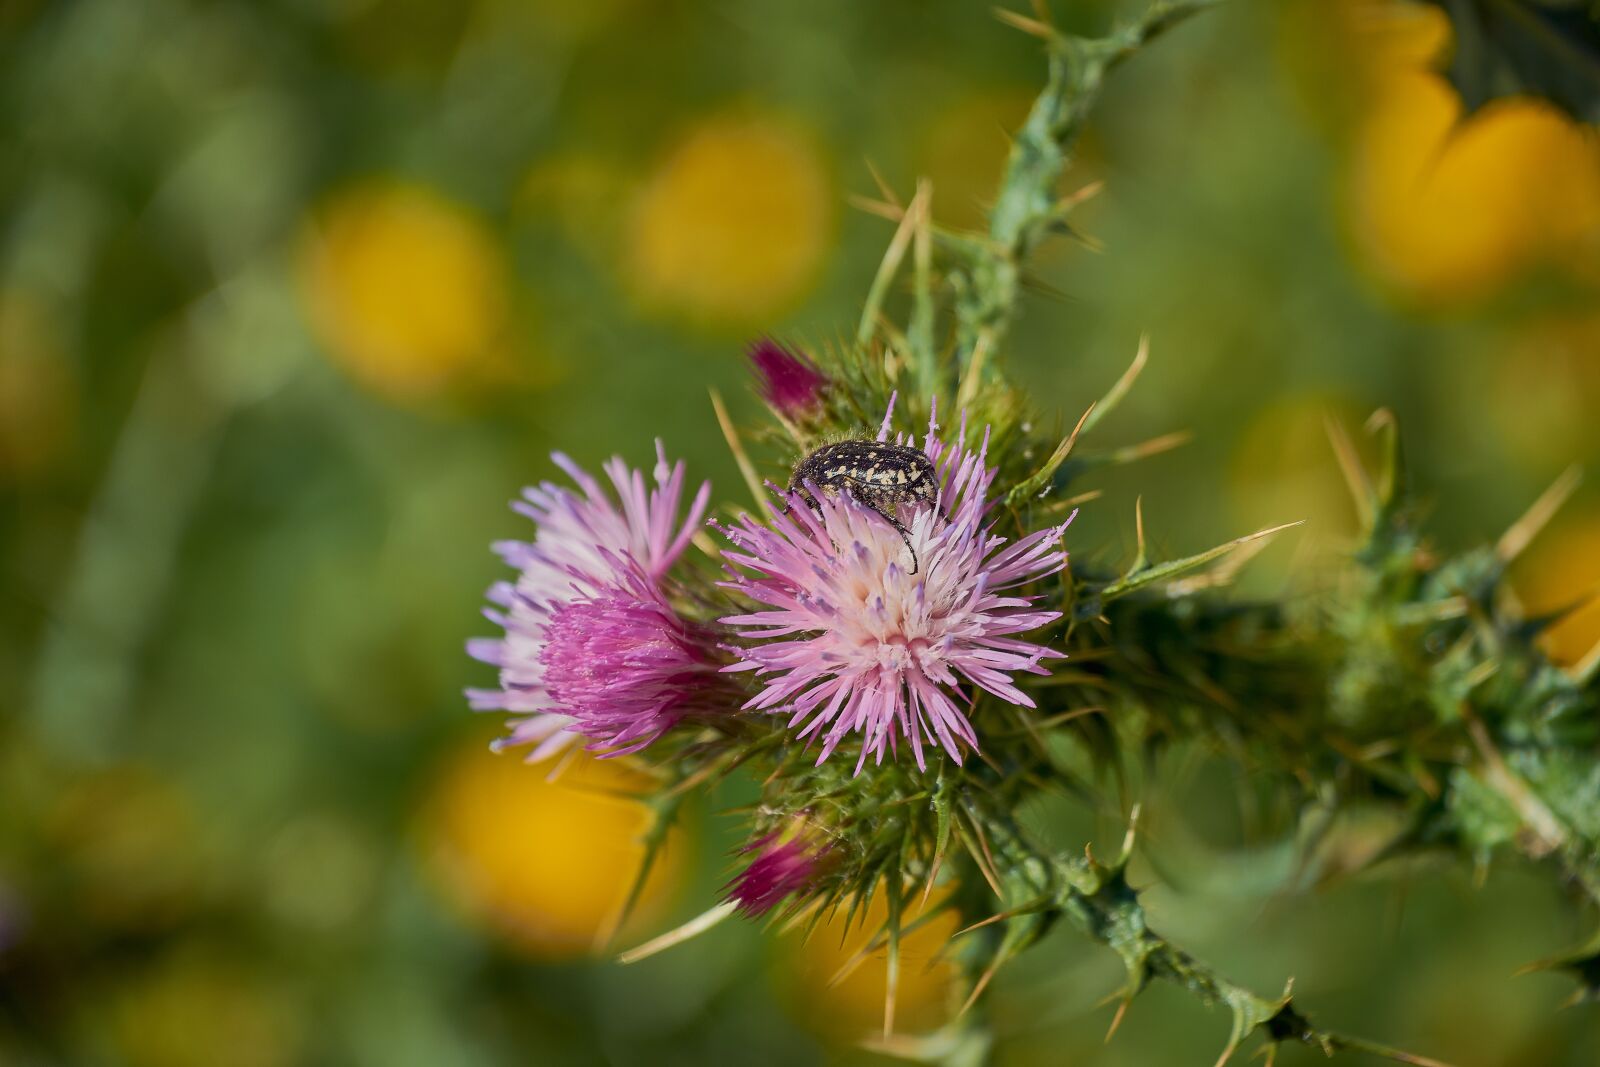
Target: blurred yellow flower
x,y
1341,50
734,223
1284,470
573,19
963,153
407,290
852,1008
1546,390
1562,570
38,390
1449,208
192,1009
544,864
132,842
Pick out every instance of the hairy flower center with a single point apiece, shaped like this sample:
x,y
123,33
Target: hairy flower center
x,y
609,652
898,652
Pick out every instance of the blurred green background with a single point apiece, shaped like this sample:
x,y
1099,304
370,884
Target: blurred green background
x,y
296,294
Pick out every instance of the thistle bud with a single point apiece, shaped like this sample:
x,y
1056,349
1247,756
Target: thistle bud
x,y
787,379
788,861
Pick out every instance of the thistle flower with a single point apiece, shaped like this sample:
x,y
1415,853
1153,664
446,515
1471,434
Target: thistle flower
x,y
625,667
848,641
589,557
787,861
787,379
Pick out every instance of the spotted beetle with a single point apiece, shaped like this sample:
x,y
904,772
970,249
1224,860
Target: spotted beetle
x,y
877,475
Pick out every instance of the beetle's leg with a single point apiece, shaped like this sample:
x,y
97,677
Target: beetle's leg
x,y
905,535
805,496
868,496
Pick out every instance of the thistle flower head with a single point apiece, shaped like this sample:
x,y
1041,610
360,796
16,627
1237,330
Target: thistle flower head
x,y
787,379
624,666
847,641
590,549
787,861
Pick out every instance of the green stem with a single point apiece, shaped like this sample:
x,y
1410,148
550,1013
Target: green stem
x,y
989,285
1097,899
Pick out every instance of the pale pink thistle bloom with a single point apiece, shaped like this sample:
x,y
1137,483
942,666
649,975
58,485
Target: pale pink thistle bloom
x,y
588,547
848,642
788,380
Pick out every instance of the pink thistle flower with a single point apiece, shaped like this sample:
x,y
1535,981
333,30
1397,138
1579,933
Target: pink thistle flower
x,y
589,549
788,380
847,641
786,862
625,667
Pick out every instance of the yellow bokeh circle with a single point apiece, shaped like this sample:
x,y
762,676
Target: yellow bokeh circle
x,y
1447,207
1545,390
733,224
1284,469
963,151
1339,52
543,855
1561,571
196,1009
407,291
135,845
851,1008
38,388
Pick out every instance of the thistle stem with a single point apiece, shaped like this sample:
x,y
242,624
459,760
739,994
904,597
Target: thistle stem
x,y
989,284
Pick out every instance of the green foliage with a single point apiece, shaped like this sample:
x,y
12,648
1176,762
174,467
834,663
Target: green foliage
x,y
1547,48
1413,685
240,581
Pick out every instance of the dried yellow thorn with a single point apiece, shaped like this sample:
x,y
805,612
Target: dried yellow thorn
x,y
1538,516
740,457
1355,473
693,928
1032,27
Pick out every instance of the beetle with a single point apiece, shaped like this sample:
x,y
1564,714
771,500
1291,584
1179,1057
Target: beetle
x,y
878,475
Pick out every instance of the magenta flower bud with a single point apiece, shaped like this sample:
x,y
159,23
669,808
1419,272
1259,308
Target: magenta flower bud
x,y
787,862
787,379
847,641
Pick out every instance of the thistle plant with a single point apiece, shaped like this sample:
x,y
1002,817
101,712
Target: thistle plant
x,y
903,672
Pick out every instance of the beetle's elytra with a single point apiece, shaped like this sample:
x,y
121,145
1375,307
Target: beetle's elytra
x,y
878,475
